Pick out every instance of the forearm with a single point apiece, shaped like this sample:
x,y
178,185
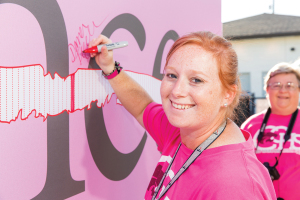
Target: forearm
x,y
132,96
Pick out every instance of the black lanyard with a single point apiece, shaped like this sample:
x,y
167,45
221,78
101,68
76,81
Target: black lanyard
x,y
287,135
197,152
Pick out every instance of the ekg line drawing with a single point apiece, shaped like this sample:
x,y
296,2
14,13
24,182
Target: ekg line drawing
x,y
25,90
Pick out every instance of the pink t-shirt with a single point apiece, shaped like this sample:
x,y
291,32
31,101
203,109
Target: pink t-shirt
x,y
226,172
288,185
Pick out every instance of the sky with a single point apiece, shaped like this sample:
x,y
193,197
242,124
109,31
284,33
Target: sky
x,y
238,9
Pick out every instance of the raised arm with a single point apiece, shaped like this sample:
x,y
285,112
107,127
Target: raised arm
x,y
132,96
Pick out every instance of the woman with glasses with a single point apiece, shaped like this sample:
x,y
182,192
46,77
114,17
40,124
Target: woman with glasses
x,y
276,131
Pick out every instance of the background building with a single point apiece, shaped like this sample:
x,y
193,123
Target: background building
x,y
261,42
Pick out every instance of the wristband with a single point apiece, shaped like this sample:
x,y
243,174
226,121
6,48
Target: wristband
x,y
115,72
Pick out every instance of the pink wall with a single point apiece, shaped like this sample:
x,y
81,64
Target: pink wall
x,y
31,150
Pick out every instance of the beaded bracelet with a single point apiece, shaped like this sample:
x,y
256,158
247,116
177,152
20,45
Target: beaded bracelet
x,y
115,72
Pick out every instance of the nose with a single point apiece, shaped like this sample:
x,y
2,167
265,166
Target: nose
x,y
180,88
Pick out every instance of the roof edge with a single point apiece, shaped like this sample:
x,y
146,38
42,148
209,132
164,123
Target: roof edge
x,y
262,35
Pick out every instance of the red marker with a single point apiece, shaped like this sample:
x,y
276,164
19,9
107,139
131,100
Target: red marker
x,y
110,46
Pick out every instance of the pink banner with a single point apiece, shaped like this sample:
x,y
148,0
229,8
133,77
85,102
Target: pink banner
x,y
64,134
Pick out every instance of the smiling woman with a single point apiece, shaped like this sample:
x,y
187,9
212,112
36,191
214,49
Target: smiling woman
x,y
282,84
277,130
204,154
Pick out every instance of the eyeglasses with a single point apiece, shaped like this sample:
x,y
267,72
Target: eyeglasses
x,y
278,86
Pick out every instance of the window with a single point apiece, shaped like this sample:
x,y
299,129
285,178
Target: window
x,y
245,81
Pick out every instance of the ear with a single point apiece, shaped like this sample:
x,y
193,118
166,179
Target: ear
x,y
230,94
267,92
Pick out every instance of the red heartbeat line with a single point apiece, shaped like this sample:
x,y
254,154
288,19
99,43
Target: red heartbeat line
x,y
25,89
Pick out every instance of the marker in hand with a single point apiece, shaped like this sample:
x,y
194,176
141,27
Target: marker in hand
x,y
111,46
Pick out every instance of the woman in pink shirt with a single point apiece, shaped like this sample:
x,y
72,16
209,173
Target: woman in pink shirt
x,y
204,154
276,131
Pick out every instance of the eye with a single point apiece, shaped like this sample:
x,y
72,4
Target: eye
x,y
171,76
288,86
277,86
196,80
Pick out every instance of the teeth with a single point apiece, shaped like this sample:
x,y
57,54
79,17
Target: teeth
x,y
181,107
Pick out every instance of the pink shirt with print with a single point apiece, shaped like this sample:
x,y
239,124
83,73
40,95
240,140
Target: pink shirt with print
x,y
288,185
226,172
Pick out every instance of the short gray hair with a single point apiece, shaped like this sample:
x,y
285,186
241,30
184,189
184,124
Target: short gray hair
x,y
283,68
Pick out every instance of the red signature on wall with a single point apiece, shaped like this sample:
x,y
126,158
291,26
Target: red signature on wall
x,y
82,41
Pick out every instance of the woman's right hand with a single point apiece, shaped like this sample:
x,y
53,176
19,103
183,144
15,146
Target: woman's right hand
x,y
105,58
133,97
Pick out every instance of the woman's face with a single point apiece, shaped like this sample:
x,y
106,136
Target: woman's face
x,y
283,101
191,91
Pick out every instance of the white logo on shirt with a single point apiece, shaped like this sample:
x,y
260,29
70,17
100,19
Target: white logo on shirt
x,y
273,139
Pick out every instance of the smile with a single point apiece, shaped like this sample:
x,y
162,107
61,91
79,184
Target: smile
x,y
181,106
280,97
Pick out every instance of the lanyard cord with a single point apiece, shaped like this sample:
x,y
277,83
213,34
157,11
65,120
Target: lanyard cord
x,y
287,135
197,152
